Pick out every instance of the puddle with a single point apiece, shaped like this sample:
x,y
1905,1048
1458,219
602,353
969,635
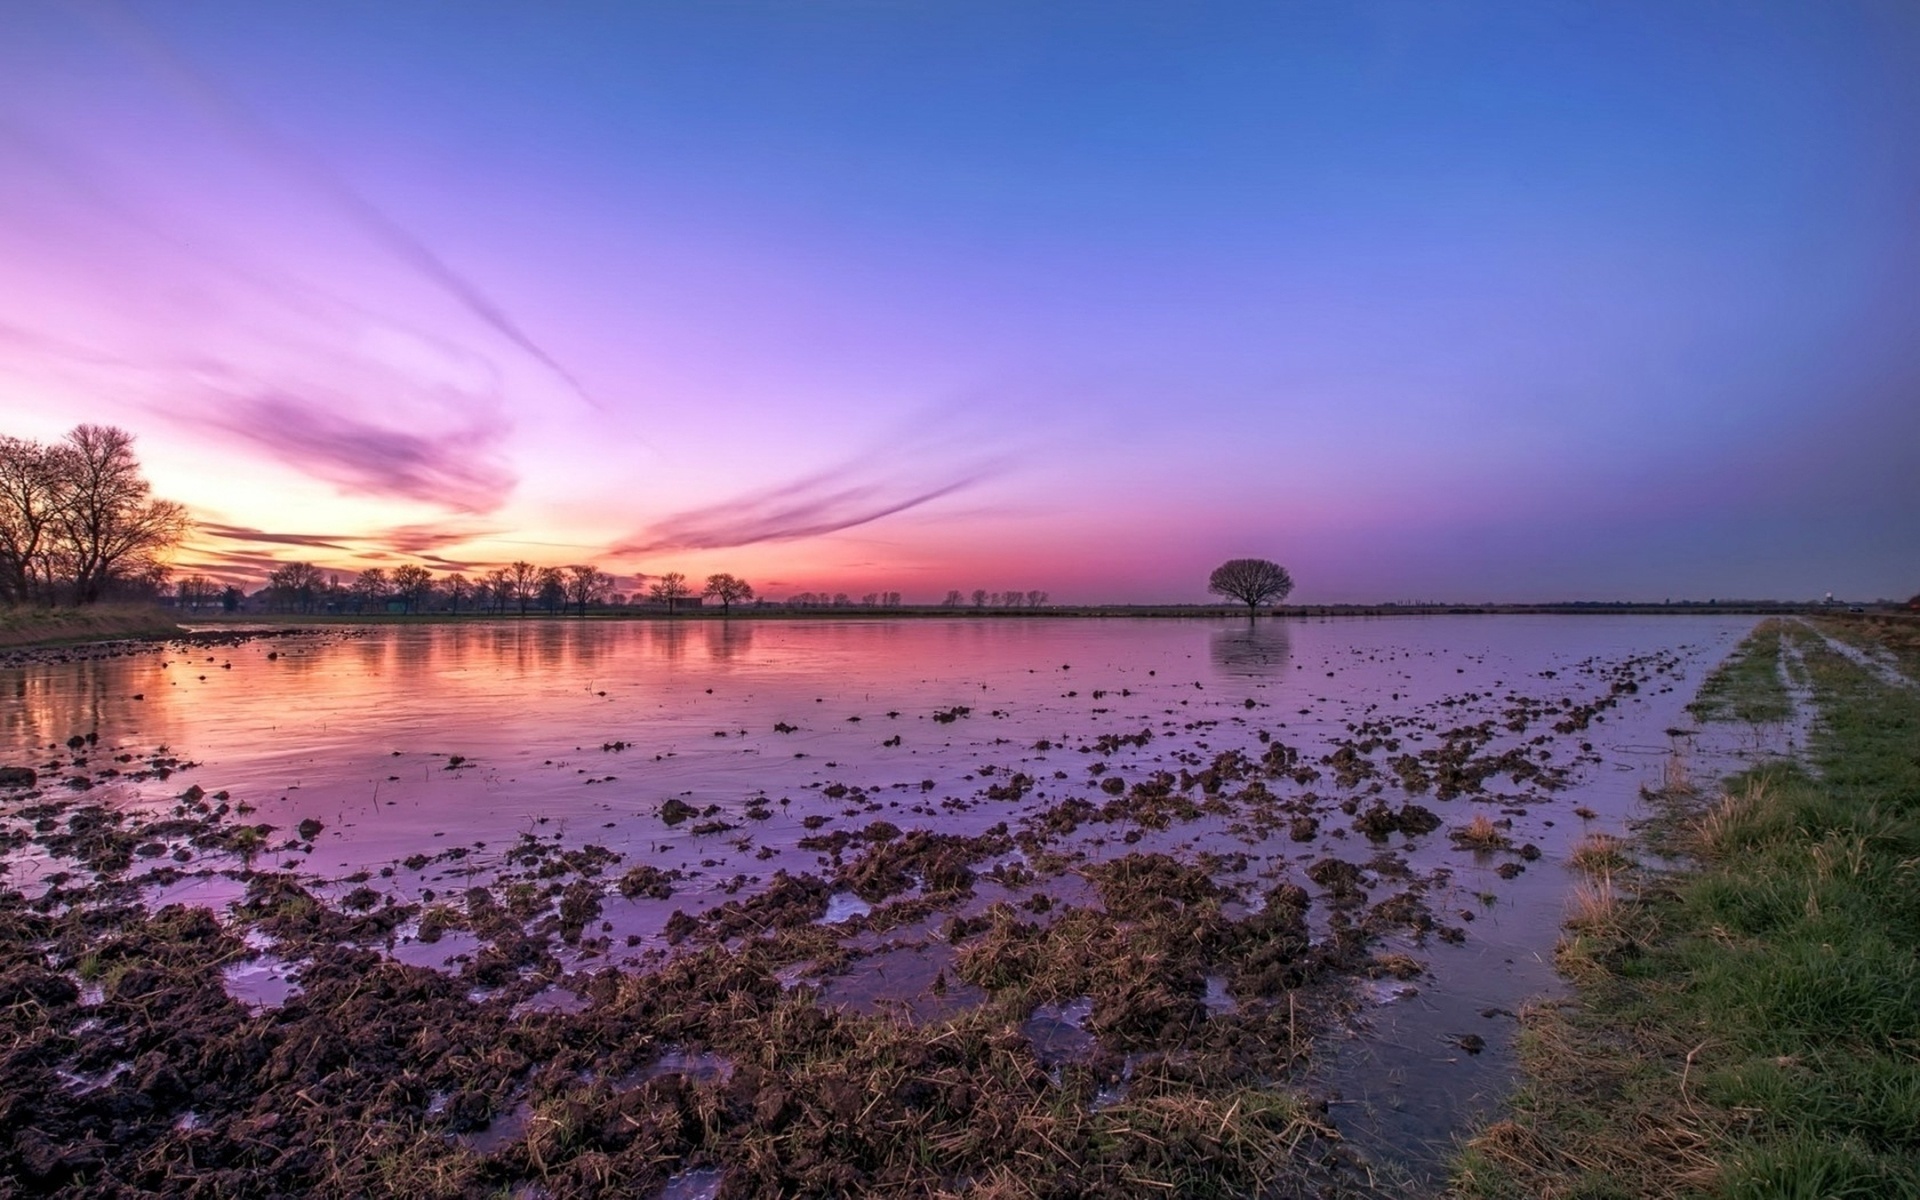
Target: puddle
x,y
699,1184
81,1082
844,906
504,1130
917,983
1219,1002
1058,1031
261,982
555,999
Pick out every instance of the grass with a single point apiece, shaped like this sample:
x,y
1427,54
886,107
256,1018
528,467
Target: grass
x,y
1481,833
1748,686
1748,1026
1598,854
30,625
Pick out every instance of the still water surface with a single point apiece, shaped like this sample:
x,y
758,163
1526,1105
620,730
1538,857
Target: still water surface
x,y
581,731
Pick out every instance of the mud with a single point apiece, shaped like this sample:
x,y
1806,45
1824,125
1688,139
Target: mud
x,y
1097,962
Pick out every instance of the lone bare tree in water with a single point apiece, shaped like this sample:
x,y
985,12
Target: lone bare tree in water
x,y
1251,581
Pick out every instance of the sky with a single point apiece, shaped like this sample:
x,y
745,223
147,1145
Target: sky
x,y
1455,301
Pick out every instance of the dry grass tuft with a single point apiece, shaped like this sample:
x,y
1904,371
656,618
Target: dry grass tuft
x,y
1481,833
1676,777
1599,853
1597,908
1714,831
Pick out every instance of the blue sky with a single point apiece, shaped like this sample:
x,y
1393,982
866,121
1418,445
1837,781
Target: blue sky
x,y
1427,301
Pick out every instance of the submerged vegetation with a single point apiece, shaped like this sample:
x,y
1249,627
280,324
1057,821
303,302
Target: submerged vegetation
x,y
1748,1026
1749,685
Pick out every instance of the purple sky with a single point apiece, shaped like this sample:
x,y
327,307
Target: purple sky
x,y
1425,301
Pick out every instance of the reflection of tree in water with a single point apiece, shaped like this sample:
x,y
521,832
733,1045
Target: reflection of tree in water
x,y
668,639
1262,648
727,641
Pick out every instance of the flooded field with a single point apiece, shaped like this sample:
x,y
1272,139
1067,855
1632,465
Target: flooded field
x,y
1145,861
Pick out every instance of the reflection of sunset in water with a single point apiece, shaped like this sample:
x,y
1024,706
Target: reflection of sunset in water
x,y
355,726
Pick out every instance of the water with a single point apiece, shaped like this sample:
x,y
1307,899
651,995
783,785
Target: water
x,y
426,753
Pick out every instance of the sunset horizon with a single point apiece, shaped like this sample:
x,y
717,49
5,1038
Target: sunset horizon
x,y
1467,304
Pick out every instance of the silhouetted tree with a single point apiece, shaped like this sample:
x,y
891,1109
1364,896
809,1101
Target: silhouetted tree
x,y
500,584
671,588
31,477
80,517
1036,599
458,588
586,585
727,589
523,578
295,586
371,587
954,599
196,591
1251,581
413,584
551,589
979,597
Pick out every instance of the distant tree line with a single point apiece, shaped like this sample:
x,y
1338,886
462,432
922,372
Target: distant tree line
x,y
518,588
982,598
78,521
843,600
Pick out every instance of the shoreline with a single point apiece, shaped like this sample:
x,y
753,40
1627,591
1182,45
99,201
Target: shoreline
x,y
1742,1019
24,629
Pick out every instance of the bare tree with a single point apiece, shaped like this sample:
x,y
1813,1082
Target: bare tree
x,y
369,588
954,599
671,588
727,589
979,597
413,583
586,585
1251,581
31,477
500,583
458,589
295,586
1036,599
551,585
196,591
523,580
109,524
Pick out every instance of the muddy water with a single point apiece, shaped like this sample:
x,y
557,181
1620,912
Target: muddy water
x,y
428,754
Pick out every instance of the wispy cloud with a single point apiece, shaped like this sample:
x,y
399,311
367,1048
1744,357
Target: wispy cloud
x,y
453,469
266,302
309,172
937,456
412,543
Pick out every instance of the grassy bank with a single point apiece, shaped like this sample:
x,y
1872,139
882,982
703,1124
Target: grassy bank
x,y
1750,1025
34,626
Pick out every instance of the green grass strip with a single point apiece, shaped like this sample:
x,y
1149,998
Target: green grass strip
x,y
1750,1026
1748,686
